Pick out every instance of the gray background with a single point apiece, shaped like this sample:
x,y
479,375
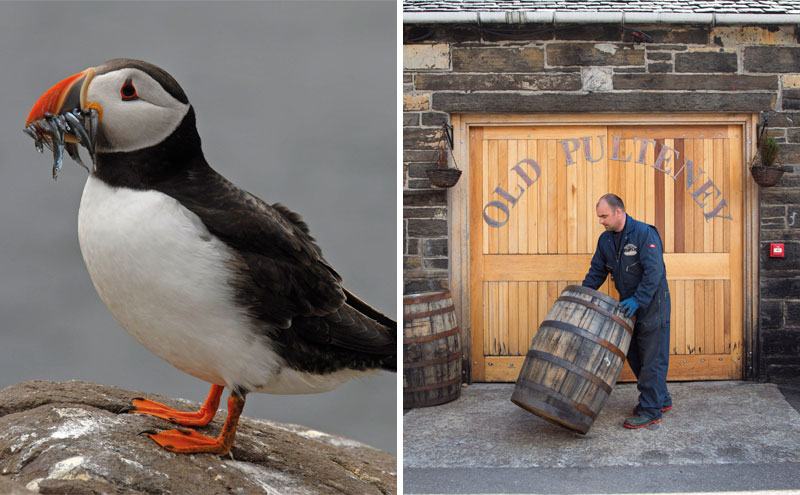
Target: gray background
x,y
295,102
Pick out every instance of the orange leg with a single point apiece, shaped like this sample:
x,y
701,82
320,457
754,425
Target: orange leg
x,y
198,418
184,441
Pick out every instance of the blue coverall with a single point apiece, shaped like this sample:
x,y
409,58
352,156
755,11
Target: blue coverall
x,y
638,271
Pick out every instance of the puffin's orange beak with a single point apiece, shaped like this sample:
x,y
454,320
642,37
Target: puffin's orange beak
x,y
67,95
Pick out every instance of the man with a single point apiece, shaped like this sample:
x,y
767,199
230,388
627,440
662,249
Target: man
x,y
633,253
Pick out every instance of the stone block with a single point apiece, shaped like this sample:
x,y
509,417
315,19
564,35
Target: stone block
x,y
771,314
733,36
427,228
511,59
658,56
425,212
603,102
597,79
791,99
411,262
783,119
428,156
673,34
779,195
778,288
704,62
793,313
418,285
782,342
418,183
678,82
419,170
593,54
410,119
435,247
426,57
421,138
412,246
771,59
442,33
436,263
407,78
499,82
523,32
589,32
674,48
425,198
659,67
789,154
790,81
435,119
420,101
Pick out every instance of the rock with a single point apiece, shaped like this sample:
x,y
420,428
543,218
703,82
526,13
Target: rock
x,y
71,438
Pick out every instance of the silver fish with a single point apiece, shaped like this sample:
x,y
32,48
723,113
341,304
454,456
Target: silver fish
x,y
51,132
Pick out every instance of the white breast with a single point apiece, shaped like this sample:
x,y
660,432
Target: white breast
x,y
164,277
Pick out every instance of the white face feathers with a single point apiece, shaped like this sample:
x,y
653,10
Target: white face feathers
x,y
136,110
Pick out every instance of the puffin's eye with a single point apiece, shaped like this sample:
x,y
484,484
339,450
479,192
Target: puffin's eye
x,y
128,91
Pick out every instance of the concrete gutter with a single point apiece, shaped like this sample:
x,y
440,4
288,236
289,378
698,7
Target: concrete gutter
x,y
563,17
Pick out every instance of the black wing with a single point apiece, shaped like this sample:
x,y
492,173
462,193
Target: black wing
x,y
284,279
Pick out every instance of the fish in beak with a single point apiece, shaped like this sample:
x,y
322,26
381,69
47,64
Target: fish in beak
x,y
62,119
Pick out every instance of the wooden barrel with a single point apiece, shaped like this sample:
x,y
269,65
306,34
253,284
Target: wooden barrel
x,y
575,359
431,350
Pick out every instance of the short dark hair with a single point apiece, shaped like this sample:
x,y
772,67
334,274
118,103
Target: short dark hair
x,y
613,201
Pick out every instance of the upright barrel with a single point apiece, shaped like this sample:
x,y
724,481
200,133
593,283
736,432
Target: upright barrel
x,y
431,350
574,359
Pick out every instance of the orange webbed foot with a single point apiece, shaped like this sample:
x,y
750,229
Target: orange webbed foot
x,y
185,441
201,417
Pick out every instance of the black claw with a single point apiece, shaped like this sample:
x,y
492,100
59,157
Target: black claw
x,y
137,398
185,431
148,432
127,409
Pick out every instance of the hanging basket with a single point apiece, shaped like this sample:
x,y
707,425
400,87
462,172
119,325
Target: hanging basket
x,y
443,177
766,176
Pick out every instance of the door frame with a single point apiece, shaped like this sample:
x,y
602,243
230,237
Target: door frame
x,y
459,217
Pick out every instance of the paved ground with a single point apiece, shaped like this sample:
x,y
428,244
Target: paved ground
x,y
721,436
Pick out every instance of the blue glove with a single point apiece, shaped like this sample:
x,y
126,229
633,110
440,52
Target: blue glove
x,y
629,306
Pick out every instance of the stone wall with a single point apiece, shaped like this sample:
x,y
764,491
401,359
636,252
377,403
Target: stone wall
x,y
595,68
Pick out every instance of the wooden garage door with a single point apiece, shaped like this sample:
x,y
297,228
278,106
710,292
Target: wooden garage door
x,y
533,229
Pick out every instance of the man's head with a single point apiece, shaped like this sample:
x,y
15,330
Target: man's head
x,y
611,212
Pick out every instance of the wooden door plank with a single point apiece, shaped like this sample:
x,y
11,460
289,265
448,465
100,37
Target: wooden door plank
x,y
571,196
699,317
679,323
689,315
514,221
478,245
719,317
708,307
708,227
677,198
552,198
514,308
669,206
491,172
561,201
502,172
719,180
533,202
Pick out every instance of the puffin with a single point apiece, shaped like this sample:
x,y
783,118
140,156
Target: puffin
x,y
215,281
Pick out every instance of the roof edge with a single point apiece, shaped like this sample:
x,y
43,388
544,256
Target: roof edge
x,y
573,17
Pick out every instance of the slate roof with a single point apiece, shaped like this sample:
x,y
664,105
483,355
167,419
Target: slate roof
x,y
639,6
